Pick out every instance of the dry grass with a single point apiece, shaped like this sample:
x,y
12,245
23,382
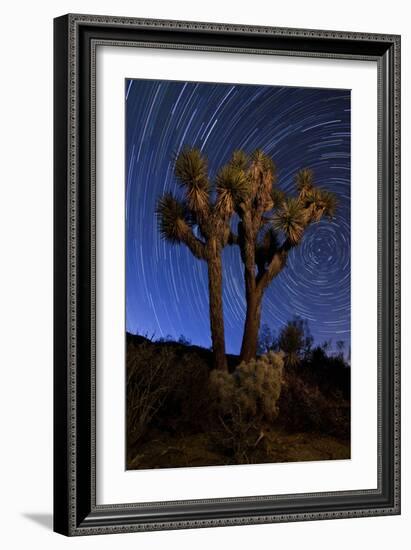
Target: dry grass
x,y
177,418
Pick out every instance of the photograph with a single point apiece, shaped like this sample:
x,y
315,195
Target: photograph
x,y
237,274
227,275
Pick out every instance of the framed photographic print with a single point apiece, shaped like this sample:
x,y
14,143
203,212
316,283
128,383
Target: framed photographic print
x,y
227,279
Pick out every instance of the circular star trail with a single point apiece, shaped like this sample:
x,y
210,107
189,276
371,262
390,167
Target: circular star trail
x,y
166,287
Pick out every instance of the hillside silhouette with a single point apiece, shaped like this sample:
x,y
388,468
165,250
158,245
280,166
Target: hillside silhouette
x,y
182,411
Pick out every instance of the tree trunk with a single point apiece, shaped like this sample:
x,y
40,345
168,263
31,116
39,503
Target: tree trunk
x,y
215,287
252,321
253,296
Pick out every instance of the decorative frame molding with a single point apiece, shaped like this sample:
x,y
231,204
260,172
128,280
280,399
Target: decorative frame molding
x,y
75,43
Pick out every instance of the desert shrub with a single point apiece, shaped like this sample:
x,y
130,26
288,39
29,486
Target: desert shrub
x,y
163,383
243,400
187,403
330,373
295,341
147,388
304,407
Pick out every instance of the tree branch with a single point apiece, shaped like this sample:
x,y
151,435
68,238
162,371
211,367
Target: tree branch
x,y
187,236
276,265
247,242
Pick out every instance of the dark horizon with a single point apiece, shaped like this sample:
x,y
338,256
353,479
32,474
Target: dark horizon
x,y
166,287
182,340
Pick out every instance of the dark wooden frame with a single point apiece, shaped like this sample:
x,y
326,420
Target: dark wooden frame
x,y
75,40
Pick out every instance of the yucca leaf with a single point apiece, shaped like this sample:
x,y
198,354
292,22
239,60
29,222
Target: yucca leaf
x,y
312,203
319,202
232,186
304,180
239,159
290,219
171,215
191,169
263,161
198,201
330,203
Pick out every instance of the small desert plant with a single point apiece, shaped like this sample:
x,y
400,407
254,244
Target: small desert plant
x,y
291,342
244,400
305,407
147,389
162,382
330,373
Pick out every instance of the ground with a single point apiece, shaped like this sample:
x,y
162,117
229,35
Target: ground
x,y
171,421
164,451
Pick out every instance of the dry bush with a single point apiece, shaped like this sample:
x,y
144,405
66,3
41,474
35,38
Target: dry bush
x,y
187,405
162,383
244,400
147,389
304,407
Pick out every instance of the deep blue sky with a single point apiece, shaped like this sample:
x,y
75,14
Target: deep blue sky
x,y
166,287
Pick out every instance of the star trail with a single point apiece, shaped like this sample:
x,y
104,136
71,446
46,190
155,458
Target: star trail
x,y
166,287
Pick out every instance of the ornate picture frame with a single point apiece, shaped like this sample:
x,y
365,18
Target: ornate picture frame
x,y
76,39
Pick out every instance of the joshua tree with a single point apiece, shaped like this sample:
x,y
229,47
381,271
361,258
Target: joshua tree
x,y
201,221
270,225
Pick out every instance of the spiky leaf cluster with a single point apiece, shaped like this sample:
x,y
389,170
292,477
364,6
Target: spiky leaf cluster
x,y
318,203
191,168
232,186
290,219
291,342
191,171
262,161
304,180
246,185
330,203
239,159
172,216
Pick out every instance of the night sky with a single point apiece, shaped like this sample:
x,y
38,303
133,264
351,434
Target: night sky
x,y
166,287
